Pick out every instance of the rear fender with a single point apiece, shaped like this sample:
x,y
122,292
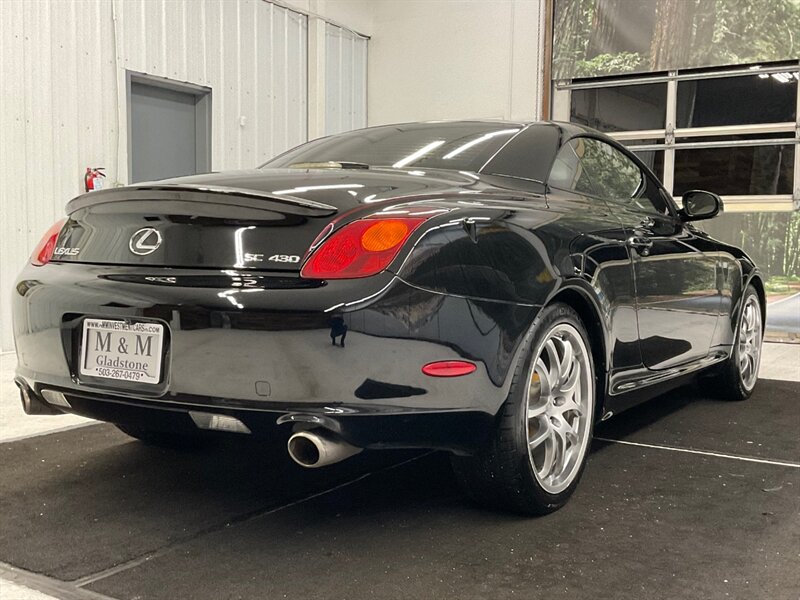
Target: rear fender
x,y
581,297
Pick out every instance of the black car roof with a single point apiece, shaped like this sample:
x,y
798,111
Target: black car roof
x,y
569,128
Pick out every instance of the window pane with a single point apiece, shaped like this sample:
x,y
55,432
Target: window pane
x,y
624,108
590,166
643,142
653,159
568,173
784,135
751,99
457,145
612,173
743,170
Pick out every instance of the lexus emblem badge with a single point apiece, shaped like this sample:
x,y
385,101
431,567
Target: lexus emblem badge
x,y
145,241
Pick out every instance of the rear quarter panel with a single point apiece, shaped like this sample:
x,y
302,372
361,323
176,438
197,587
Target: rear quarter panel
x,y
524,253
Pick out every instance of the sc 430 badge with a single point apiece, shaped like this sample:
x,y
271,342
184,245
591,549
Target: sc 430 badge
x,y
284,258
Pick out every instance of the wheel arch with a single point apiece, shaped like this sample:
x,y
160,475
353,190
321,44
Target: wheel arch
x,y
589,312
757,283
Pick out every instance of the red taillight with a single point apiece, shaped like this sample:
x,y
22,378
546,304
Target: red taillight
x,y
361,248
44,249
449,368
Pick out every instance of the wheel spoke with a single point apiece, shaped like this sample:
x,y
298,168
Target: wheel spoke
x,y
560,430
571,384
574,428
537,410
566,364
549,457
544,379
560,445
541,436
571,406
552,354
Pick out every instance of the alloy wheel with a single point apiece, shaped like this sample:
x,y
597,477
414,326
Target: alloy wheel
x,y
748,349
560,407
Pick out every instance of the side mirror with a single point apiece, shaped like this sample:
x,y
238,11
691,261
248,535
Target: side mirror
x,y
698,205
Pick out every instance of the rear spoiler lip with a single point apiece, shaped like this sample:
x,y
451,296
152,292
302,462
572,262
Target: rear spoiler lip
x,y
184,191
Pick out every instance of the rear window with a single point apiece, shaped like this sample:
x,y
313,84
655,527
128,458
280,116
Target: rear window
x,y
462,146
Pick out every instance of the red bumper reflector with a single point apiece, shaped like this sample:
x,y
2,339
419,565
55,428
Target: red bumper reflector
x,y
449,368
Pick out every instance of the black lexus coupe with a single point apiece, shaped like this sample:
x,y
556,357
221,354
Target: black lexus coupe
x,y
488,288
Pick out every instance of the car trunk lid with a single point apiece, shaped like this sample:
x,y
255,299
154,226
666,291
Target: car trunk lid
x,y
190,225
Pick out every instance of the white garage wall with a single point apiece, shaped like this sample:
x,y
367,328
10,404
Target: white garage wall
x,y
252,54
345,80
356,15
63,107
438,59
453,59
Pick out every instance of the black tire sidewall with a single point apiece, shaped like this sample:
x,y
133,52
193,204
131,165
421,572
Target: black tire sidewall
x,y
734,372
550,317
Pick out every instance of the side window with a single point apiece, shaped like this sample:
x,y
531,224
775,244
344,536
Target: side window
x,y
569,172
614,175
590,166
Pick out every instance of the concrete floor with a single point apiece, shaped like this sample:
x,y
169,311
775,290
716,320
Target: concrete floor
x,y
426,480
15,424
12,591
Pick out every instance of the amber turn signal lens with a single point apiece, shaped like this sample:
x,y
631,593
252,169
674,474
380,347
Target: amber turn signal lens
x,y
384,235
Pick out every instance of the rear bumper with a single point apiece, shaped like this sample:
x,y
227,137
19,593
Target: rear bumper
x,y
268,348
458,431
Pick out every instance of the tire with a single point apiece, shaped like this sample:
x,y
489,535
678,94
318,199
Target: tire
x,y
504,473
163,439
736,378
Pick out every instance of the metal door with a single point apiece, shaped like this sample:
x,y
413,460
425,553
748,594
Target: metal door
x,y
167,132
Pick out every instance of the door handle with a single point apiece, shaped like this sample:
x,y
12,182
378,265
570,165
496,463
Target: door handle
x,y
640,243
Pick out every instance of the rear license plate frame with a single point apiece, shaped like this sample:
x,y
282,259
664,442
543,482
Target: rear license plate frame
x,y
123,352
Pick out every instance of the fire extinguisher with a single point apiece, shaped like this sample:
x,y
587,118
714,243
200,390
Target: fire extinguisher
x,y
93,179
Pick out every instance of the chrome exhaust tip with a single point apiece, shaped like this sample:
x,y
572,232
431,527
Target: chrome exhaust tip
x,y
319,448
33,405
25,397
